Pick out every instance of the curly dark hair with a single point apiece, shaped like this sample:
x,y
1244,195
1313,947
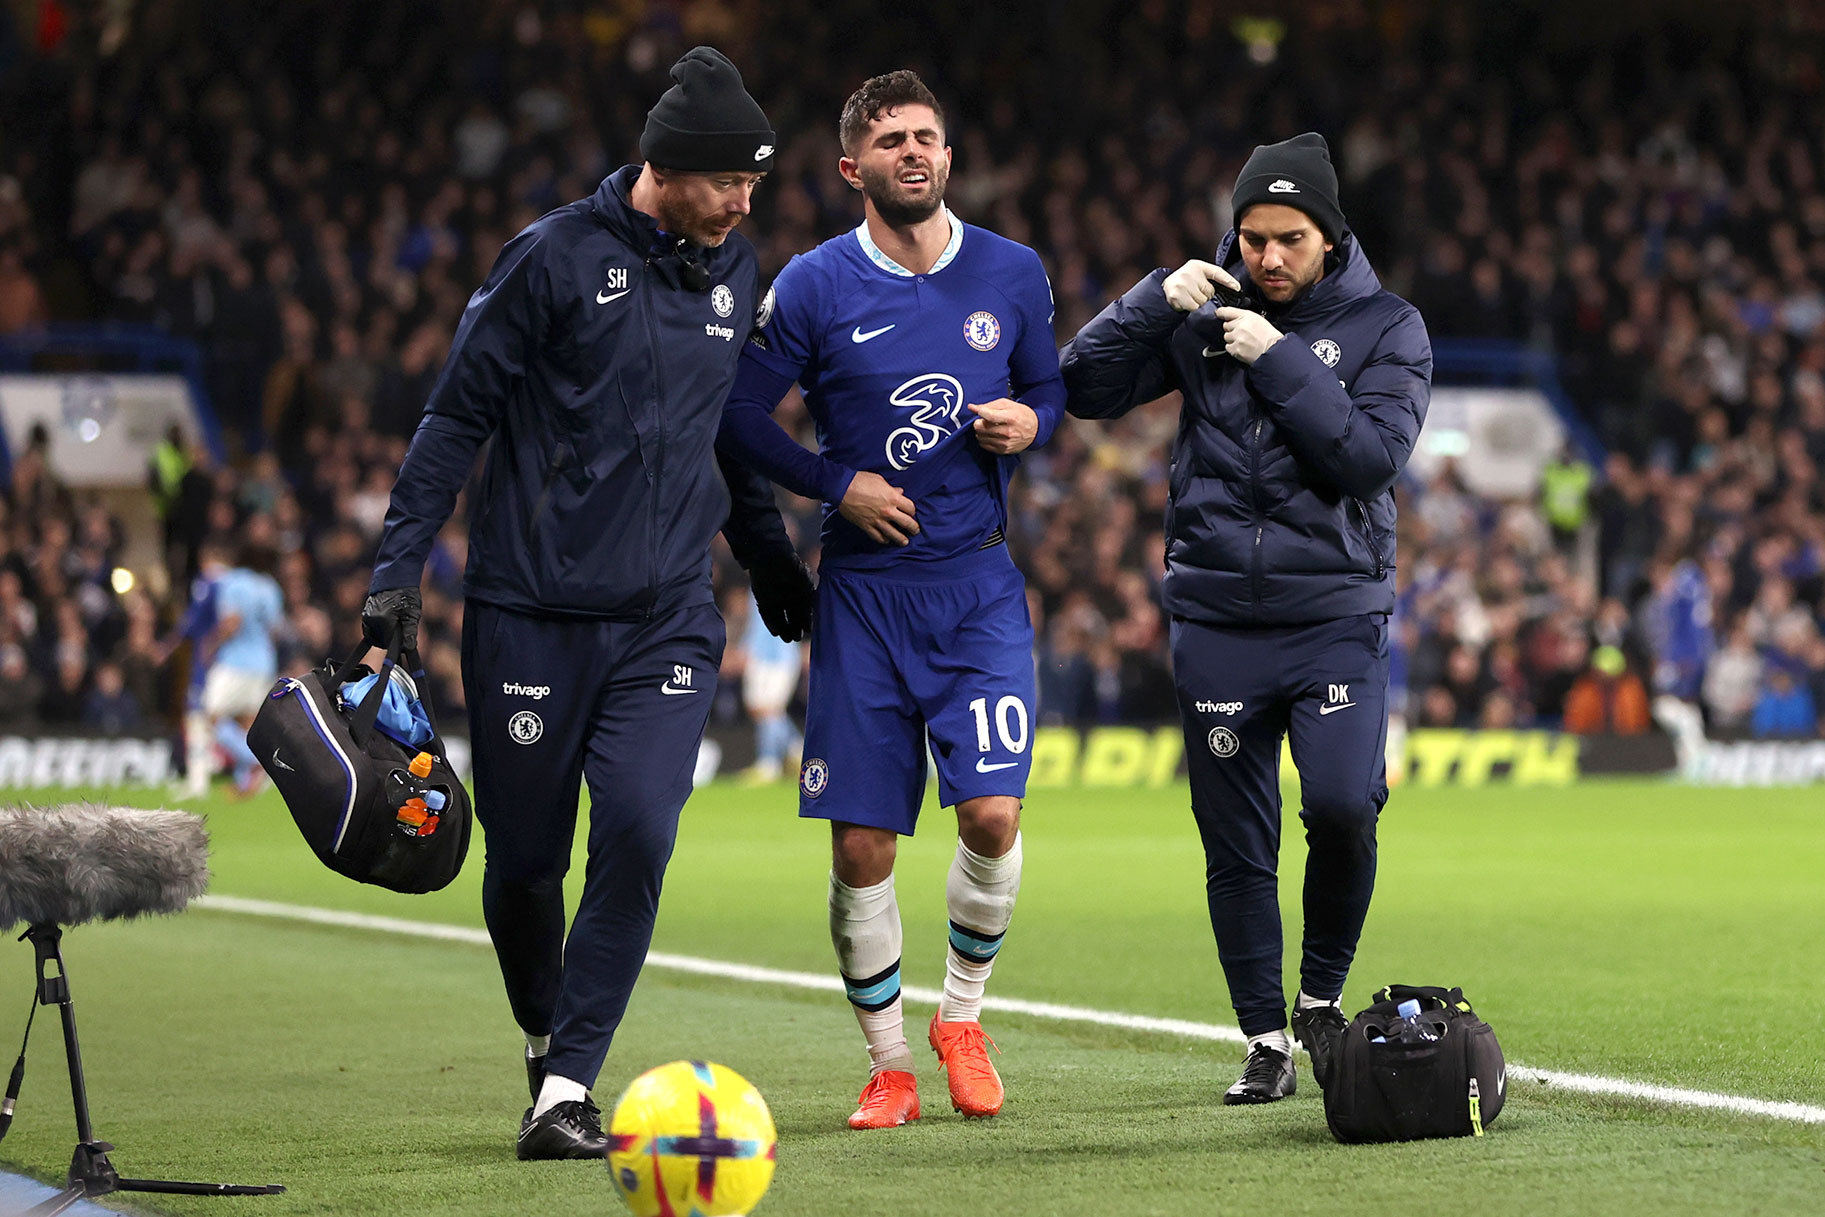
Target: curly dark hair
x,y
886,92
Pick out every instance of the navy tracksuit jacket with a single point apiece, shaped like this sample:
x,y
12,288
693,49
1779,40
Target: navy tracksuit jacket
x,y
1279,580
591,639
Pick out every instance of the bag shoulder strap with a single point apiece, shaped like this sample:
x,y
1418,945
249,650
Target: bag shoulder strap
x,y
361,720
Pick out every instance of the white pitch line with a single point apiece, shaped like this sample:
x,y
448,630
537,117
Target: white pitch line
x,y
1585,1083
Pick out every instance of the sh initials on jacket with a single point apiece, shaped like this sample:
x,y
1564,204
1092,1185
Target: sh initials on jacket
x,y
1338,699
617,278
680,683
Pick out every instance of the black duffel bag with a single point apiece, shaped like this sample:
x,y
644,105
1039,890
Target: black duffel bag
x,y
1394,1087
349,784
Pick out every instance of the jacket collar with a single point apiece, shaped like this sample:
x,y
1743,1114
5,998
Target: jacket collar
x,y
611,208
1351,278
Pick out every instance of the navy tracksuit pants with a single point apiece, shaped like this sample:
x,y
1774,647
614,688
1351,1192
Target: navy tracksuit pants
x,y
554,702
1241,691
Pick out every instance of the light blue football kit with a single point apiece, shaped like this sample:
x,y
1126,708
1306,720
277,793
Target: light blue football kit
x,y
933,636
258,602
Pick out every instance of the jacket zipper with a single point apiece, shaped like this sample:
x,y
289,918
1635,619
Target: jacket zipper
x,y
652,567
1254,493
1368,532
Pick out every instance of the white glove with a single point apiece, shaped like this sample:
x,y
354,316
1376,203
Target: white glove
x,y
1190,285
1246,335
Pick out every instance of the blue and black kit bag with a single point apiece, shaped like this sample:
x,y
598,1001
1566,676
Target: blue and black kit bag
x,y
1388,1084
356,756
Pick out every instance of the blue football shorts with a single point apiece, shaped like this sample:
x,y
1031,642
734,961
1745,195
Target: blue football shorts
x,y
895,658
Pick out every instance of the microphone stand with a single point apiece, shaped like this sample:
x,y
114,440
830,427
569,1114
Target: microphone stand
x,y
91,1174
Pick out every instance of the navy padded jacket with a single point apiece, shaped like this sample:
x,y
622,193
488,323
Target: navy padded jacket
x,y
1282,485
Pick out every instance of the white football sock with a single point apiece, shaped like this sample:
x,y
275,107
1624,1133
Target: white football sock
x,y
979,896
537,1045
1277,1040
558,1090
1302,1002
199,756
865,928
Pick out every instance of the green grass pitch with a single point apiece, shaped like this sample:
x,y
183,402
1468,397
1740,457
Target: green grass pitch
x,y
1633,930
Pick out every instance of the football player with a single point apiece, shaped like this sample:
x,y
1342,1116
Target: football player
x,y
924,349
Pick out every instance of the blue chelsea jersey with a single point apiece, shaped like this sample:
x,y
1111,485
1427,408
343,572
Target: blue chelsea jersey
x,y
889,362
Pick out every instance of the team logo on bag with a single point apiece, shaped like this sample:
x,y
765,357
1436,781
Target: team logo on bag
x,y
525,727
1327,351
982,331
814,777
1223,742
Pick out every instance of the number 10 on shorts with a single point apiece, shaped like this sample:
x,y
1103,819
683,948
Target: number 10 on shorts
x,y
1010,723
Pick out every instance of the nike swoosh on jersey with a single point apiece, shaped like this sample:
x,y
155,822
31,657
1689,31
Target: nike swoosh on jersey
x,y
601,299
983,766
667,689
1334,709
859,335
1210,354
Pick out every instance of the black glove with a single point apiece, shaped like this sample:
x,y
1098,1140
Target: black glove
x,y
395,611
784,590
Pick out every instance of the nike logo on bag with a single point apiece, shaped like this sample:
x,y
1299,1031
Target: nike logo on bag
x,y
281,764
983,766
669,691
1334,709
857,335
601,299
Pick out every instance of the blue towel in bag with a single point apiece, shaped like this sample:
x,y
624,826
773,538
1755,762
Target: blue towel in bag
x,y
402,716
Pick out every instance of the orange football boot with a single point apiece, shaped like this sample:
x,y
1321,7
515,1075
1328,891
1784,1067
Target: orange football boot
x,y
890,1099
963,1050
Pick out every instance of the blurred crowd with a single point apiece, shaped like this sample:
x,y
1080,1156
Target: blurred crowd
x,y
310,192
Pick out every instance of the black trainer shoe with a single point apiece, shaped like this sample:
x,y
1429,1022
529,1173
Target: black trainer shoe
x,y
1267,1076
1319,1030
535,1074
572,1129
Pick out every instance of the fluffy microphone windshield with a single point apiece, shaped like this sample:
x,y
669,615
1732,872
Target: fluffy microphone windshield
x,y
86,862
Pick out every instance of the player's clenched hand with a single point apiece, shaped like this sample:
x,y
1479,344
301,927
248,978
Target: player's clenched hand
x,y
1247,335
1192,284
1005,426
876,506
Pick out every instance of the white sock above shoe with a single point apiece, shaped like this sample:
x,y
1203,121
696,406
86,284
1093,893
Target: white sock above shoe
x,y
979,898
537,1045
1277,1040
865,929
558,1090
1302,1002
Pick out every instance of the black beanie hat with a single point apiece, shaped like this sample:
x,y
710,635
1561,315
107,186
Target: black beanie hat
x,y
707,122
1298,173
